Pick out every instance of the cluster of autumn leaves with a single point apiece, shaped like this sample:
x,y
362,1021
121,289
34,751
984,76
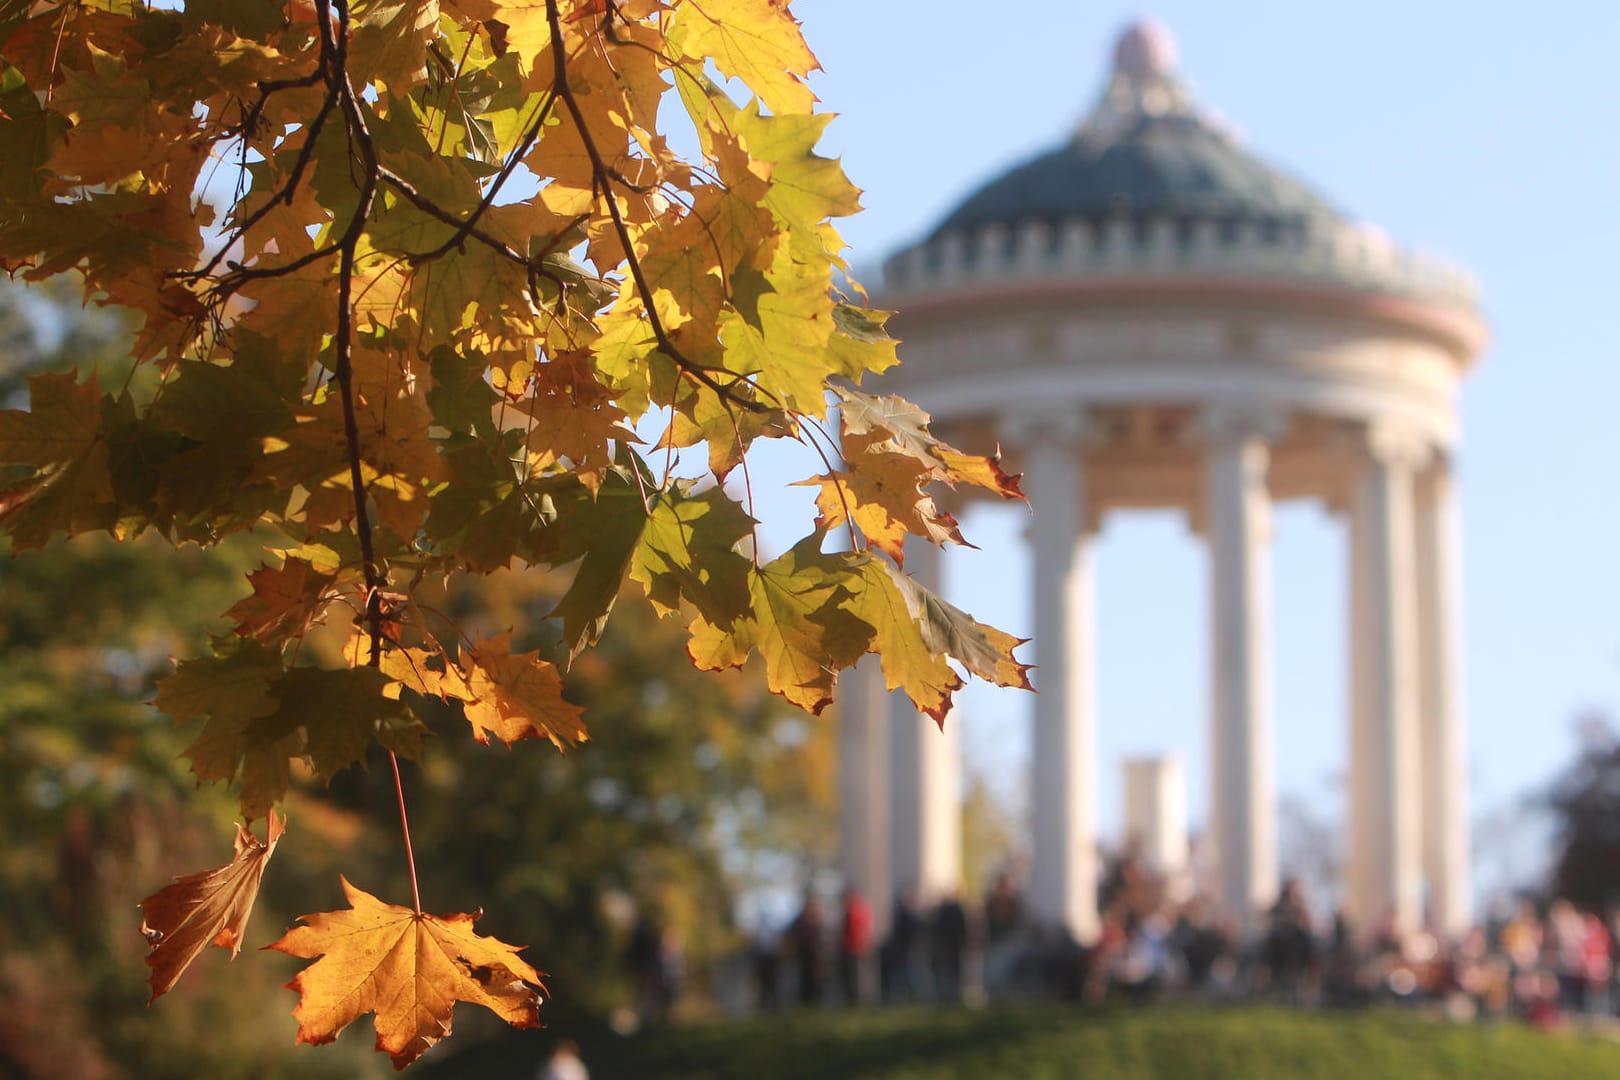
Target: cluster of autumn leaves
x,y
409,276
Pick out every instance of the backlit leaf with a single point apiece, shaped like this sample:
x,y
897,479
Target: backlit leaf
x,y
209,908
407,968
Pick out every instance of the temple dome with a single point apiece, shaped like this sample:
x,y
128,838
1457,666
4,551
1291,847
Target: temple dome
x,y
1147,151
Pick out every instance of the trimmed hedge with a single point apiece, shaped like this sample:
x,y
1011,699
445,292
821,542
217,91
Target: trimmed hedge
x,y
1048,1043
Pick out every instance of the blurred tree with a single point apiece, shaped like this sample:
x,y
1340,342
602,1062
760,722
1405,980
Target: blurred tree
x,y
1585,802
1311,851
993,837
690,773
97,806
686,776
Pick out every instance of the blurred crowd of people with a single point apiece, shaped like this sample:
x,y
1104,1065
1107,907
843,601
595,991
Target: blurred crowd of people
x,y
1540,962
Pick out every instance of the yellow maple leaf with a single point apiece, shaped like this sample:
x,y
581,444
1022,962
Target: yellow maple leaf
x,y
518,697
757,41
883,494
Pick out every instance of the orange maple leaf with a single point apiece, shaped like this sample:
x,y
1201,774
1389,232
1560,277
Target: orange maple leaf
x,y
518,697
408,968
285,600
183,918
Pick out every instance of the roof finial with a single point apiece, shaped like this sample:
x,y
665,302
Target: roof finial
x,y
1146,51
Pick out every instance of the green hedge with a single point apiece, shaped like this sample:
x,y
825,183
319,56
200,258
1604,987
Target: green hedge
x,y
1046,1043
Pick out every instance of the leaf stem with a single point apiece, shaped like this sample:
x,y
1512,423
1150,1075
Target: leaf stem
x,y
335,47
405,828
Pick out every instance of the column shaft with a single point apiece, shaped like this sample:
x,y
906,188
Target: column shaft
x,y
1385,872
926,779
863,787
1063,886
1445,781
1244,814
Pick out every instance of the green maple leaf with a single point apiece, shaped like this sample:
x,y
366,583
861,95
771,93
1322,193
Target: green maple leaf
x,y
798,626
983,650
230,408
339,713
229,692
688,549
806,188
859,344
602,532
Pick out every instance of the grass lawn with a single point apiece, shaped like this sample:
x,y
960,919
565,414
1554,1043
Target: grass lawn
x,y
1041,1042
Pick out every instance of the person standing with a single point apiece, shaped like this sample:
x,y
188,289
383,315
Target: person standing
x,y
855,947
949,937
564,1064
806,935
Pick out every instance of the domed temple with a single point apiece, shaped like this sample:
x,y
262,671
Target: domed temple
x,y
1151,316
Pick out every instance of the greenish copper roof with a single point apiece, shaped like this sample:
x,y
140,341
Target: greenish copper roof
x,y
1147,151
1175,166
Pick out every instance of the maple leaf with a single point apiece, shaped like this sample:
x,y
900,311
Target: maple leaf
x,y
413,371
208,908
286,600
389,40
563,428
602,532
871,425
979,471
337,714
911,660
517,697
884,496
406,967
688,549
799,627
231,691
62,423
757,41
983,650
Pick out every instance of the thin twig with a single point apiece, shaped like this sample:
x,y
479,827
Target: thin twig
x,y
336,53
808,426
603,175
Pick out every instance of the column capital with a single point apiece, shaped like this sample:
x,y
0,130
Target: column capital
x,y
1229,421
1439,472
1396,444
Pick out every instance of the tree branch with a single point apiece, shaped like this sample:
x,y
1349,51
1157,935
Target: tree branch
x,y
603,181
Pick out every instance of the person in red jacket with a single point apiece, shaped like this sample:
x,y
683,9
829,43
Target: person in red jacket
x,y
855,947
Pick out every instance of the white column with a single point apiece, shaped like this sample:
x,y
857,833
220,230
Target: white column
x,y
1243,815
863,787
925,762
1156,819
1385,864
1444,773
1063,885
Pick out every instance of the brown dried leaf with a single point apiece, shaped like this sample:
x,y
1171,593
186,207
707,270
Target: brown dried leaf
x,y
211,907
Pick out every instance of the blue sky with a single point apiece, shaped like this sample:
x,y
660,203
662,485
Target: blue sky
x,y
1486,132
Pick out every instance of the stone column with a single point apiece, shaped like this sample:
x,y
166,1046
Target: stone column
x,y
1385,857
1444,778
925,785
1156,819
863,787
1063,885
1243,815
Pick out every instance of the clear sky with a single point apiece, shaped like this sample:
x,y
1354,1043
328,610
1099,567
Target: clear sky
x,y
1488,132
